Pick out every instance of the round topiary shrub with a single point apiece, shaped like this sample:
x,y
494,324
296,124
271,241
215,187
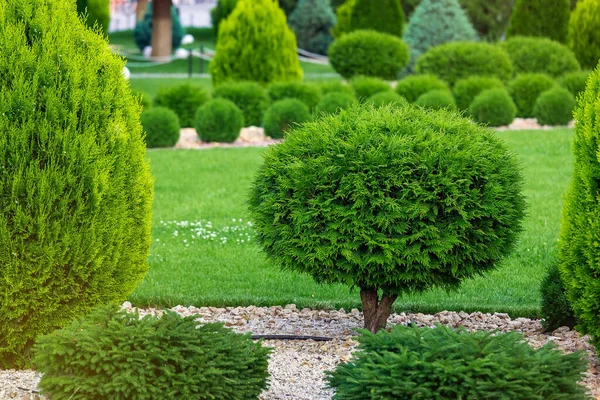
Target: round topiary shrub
x,y
459,60
336,87
333,102
161,126
343,16
75,188
525,89
354,197
368,53
575,82
284,114
96,13
255,44
366,87
222,10
219,120
530,54
442,363
554,107
308,94
493,107
312,21
412,87
465,90
385,16
546,18
556,310
583,33
250,97
437,99
113,354
184,99
143,29
385,98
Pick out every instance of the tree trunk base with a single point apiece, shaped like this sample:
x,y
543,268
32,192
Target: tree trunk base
x,y
376,311
162,28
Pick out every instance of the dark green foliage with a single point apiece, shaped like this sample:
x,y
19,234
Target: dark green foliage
x,y
250,97
489,17
336,87
184,99
437,99
255,44
143,29
219,120
575,82
343,15
441,363
384,16
144,98
75,188
412,87
529,54
368,53
493,107
525,89
554,107
161,126
467,89
385,98
284,114
409,7
312,22
221,11
546,18
96,12
112,354
288,6
366,87
336,3
583,36
332,102
308,94
460,60
556,310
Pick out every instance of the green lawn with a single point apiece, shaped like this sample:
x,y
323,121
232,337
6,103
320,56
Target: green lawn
x,y
206,190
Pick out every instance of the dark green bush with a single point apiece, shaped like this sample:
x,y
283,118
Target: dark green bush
x,y
184,99
556,310
284,114
554,107
332,102
459,60
546,18
368,53
441,363
250,97
75,188
465,90
530,54
222,10
525,89
143,29
384,16
575,82
357,197
583,36
493,107
412,87
308,94
366,87
112,354
96,12
161,126
437,99
312,21
343,15
385,98
336,87
219,120
288,6
489,17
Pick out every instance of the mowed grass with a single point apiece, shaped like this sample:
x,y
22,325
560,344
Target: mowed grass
x,y
210,187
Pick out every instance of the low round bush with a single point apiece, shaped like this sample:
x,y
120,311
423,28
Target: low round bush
x,y
112,354
250,97
556,310
459,60
542,55
554,107
575,82
442,363
493,107
437,99
184,99
366,87
356,198
308,94
412,87
161,126
336,87
465,90
333,102
525,89
219,120
584,25
284,114
387,97
368,53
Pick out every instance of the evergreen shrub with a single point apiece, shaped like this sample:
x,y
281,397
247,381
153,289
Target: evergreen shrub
x,y
142,33
366,87
184,99
493,107
312,21
412,87
343,15
384,16
355,197
545,18
112,354
465,90
575,82
308,94
489,17
219,12
96,12
554,107
282,115
530,54
332,102
219,120
556,310
442,363
368,53
336,87
144,98
583,38
525,89
161,126
250,97
288,6
75,188
437,99
385,98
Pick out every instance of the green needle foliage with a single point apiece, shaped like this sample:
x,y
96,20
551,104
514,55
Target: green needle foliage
x,y
437,99
343,16
75,188
556,310
250,97
220,12
583,37
489,17
575,82
387,97
412,87
312,21
493,107
96,13
333,102
283,115
546,18
161,126
525,90
219,120
366,86
541,55
554,107
465,90
184,99
384,16
308,94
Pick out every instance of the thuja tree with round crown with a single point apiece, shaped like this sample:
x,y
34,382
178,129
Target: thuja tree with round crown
x,y
75,188
389,202
384,16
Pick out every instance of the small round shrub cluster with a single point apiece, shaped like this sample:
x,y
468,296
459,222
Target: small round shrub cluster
x,y
575,82
541,55
336,87
554,107
161,126
583,39
493,107
333,102
465,90
556,310
250,97
284,114
525,89
412,87
387,97
308,94
219,120
366,87
437,99
184,99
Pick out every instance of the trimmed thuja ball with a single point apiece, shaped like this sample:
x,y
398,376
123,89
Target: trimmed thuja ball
x,y
493,107
366,87
575,82
389,202
335,101
437,99
412,87
219,120
284,114
161,126
184,99
554,107
525,89
308,94
75,188
387,97
465,90
531,54
250,97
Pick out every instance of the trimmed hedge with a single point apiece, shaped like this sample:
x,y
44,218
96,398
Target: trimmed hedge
x,y
575,82
219,120
142,33
437,99
384,16
161,125
385,98
541,55
184,99
283,115
493,107
306,93
554,107
545,18
525,89
556,310
414,86
465,90
583,38
312,21
250,97
333,102
336,87
366,87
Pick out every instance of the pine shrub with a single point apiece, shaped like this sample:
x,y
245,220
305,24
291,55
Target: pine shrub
x,y
459,60
327,202
96,13
465,90
312,22
530,54
412,87
545,18
437,99
336,87
441,363
308,94
554,107
75,187
184,99
368,53
556,310
250,97
219,120
343,15
161,126
493,107
385,98
575,82
489,17
333,102
259,26
142,32
220,11
366,87
284,114
384,16
525,89
112,354
583,38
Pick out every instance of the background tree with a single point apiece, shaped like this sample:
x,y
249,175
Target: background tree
x,y
583,38
547,18
162,28
312,21
288,6
97,12
143,29
384,16
489,17
220,12
343,15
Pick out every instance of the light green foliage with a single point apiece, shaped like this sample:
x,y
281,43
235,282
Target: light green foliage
x,y
385,98
250,97
336,87
255,44
308,94
161,125
143,29
144,98
412,87
219,120
489,17
442,363
465,90
366,87
530,54
437,99
333,102
96,12
368,53
556,310
525,89
221,11
583,37
343,15
575,82
554,107
493,107
184,99
312,21
546,18
384,16
112,354
283,115
75,188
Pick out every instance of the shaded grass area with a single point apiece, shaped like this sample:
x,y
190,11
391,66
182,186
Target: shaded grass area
x,y
230,270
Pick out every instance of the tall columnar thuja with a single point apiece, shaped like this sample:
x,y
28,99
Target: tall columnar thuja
x,y
75,189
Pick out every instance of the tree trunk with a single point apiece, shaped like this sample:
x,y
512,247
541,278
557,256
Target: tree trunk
x,y
162,28
375,311
140,10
